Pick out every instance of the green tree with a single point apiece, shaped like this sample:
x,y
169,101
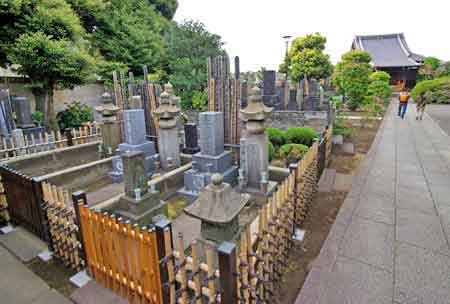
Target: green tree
x,y
379,88
130,32
306,57
351,77
189,44
50,63
166,7
429,69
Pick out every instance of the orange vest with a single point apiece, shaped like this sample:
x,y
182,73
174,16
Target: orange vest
x,y
404,97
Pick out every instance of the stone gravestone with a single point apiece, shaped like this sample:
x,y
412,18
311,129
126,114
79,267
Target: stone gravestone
x,y
139,205
270,97
293,103
212,157
218,207
191,139
6,117
254,169
135,140
23,112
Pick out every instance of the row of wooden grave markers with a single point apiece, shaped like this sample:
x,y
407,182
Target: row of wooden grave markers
x,y
9,149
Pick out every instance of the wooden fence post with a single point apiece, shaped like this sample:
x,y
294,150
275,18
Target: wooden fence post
x,y
293,170
78,198
69,136
161,226
227,270
39,197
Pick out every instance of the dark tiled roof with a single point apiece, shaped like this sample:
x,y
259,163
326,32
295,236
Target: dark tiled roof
x,y
388,50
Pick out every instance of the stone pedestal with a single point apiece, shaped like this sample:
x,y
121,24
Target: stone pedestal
x,y
168,143
169,148
139,205
212,157
254,171
111,135
22,107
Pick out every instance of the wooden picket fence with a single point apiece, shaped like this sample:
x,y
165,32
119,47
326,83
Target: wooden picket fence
x,y
11,149
329,144
4,215
63,227
121,256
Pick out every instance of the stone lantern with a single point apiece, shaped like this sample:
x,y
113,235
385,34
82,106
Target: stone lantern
x,y
254,152
110,127
218,206
167,114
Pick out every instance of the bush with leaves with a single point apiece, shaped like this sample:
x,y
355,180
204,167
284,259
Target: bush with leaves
x,y
276,136
439,88
75,115
340,129
293,152
379,89
272,151
351,77
38,117
200,100
304,136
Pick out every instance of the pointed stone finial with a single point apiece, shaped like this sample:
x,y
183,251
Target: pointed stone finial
x,y
168,88
256,112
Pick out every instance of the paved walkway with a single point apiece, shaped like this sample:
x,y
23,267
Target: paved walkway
x,y
19,285
390,241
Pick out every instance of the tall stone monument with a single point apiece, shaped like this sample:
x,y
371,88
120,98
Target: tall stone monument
x,y
254,171
218,207
139,204
22,108
110,126
168,144
212,157
135,140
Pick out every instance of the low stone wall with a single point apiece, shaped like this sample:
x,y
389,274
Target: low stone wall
x,y
317,120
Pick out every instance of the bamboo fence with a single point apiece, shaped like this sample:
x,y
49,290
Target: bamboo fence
x,y
11,149
63,228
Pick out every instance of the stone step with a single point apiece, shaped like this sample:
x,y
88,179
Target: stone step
x,y
24,245
326,182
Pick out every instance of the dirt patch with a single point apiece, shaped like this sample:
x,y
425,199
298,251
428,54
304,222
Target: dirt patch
x,y
321,216
55,274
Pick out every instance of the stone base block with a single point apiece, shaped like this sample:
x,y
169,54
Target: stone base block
x,y
195,181
149,210
148,147
35,131
190,196
219,163
271,188
190,150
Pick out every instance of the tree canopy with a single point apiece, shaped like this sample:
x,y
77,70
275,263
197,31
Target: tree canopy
x,y
306,57
351,77
189,44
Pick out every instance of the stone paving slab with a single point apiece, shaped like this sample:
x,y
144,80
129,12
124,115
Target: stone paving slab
x,y
390,240
19,285
94,293
23,244
343,182
370,242
421,276
326,181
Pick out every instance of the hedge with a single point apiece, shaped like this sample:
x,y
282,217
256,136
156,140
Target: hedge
x,y
304,136
293,152
439,87
276,136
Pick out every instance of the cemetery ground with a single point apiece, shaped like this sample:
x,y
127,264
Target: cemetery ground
x,y
324,209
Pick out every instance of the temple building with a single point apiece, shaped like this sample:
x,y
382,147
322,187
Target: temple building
x,y
391,53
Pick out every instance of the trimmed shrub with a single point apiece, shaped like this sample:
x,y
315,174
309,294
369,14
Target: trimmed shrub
x,y
303,136
439,88
271,151
276,136
293,152
75,115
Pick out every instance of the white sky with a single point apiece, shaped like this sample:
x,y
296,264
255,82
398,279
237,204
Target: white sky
x,y
252,29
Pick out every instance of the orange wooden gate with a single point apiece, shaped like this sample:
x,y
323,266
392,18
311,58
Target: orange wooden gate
x,y
122,257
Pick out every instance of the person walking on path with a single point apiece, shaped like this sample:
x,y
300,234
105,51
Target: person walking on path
x,y
421,103
403,99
